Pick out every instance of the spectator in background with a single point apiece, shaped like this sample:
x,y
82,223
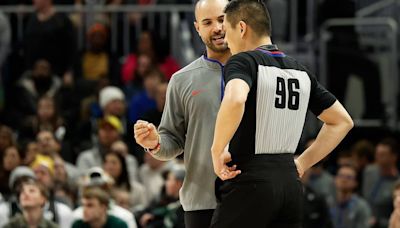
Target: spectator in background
x,y
50,35
97,178
154,115
66,193
90,111
151,175
115,165
345,158
316,211
121,148
347,209
89,104
394,221
6,138
144,101
320,180
111,102
123,199
43,167
34,84
144,66
167,211
149,45
65,173
363,155
54,211
11,159
95,61
50,146
31,149
10,208
95,202
379,179
363,151
32,198
109,131
47,118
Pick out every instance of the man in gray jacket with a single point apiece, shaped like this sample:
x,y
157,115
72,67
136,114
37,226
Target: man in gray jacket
x,y
348,209
193,98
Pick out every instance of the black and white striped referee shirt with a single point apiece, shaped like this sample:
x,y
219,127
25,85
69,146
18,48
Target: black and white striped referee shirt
x,y
281,91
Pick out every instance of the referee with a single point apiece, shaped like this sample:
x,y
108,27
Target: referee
x,y
261,116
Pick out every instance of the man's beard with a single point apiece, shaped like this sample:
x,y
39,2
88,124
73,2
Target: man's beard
x,y
216,48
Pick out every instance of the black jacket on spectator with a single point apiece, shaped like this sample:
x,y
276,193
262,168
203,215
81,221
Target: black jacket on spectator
x,y
53,39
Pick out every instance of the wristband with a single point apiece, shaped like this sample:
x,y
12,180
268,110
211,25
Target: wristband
x,y
156,148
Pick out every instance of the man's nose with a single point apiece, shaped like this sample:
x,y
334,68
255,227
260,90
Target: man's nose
x,y
218,28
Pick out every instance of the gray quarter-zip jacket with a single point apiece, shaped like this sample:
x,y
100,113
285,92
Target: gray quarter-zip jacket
x,y
187,125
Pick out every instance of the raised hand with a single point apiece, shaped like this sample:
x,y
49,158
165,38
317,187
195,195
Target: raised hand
x,y
146,134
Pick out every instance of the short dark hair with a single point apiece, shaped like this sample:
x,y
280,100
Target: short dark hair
x,y
96,193
155,73
29,181
363,148
253,12
349,166
391,143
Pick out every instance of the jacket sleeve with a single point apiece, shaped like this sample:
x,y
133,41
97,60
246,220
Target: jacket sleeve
x,y
172,128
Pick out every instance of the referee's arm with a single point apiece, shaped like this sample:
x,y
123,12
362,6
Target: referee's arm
x,y
228,119
337,123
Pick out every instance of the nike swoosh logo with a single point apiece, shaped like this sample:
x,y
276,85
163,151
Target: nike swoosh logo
x,y
196,92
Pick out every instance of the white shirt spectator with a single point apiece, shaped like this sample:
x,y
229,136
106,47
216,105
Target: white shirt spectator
x,y
65,216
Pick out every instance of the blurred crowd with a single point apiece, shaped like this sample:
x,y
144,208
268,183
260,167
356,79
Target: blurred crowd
x,y
68,156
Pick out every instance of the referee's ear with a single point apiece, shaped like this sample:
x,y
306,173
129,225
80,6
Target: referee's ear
x,y
243,28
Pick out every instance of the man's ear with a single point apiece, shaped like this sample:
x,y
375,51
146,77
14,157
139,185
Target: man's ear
x,y
243,28
196,26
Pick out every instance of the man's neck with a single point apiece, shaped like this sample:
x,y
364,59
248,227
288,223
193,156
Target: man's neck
x,y
343,196
221,57
45,13
33,216
98,223
257,42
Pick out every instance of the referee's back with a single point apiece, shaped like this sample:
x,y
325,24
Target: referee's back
x,y
281,92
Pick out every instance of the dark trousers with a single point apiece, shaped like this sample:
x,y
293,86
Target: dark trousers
x,y
198,219
268,193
